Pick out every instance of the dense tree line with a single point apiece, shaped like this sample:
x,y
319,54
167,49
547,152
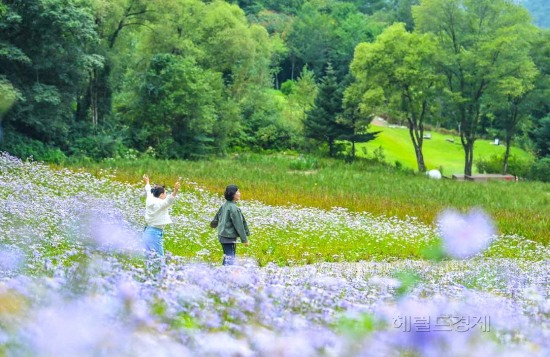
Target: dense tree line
x,y
479,60
191,79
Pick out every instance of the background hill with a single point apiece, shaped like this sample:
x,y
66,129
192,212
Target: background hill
x,y
438,151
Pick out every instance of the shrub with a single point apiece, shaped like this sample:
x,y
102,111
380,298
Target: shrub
x,y
398,165
379,154
304,163
541,136
24,147
493,165
541,170
288,87
98,146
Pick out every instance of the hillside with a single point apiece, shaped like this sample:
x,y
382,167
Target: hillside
x,y
438,152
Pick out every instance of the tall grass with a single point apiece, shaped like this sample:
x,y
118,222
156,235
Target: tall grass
x,y
521,208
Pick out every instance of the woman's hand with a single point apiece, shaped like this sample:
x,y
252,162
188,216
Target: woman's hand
x,y
176,189
146,179
246,244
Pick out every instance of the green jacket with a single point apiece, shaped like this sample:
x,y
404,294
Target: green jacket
x,y
231,223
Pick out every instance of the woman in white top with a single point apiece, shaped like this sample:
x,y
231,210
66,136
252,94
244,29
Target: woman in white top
x,y
156,215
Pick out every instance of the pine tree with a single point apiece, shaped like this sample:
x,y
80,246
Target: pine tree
x,y
322,122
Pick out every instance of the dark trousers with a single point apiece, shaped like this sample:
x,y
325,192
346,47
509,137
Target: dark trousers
x,y
229,252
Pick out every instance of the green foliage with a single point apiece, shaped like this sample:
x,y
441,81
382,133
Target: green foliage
x,y
99,146
408,280
283,6
200,94
184,321
192,78
494,165
379,155
177,107
324,32
304,163
23,147
397,75
434,251
46,52
541,136
288,87
8,95
322,122
485,52
264,127
299,101
274,22
541,170
358,326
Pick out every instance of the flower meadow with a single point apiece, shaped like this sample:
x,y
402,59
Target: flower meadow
x,y
313,282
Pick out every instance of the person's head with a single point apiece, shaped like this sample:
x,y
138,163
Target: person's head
x,y
159,192
232,193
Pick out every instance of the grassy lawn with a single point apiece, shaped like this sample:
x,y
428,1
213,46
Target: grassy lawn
x,y
438,152
521,208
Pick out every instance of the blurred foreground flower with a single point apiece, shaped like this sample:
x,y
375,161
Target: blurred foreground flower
x,y
10,260
465,235
111,234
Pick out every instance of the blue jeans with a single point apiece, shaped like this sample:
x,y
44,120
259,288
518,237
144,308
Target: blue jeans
x,y
152,237
229,253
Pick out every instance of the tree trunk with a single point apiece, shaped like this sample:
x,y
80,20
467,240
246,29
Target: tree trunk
x,y
420,159
292,64
417,136
510,132
468,157
467,138
93,98
506,154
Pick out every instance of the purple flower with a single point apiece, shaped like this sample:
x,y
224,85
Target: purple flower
x,y
10,259
465,235
115,235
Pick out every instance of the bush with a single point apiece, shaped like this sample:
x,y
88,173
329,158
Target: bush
x,y
288,87
98,146
398,165
445,131
541,137
541,170
493,165
24,147
304,163
379,154
273,136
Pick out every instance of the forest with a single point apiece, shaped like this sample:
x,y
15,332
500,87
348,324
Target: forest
x,y
190,79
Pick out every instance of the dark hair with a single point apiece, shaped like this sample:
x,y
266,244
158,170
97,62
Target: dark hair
x,y
157,191
230,192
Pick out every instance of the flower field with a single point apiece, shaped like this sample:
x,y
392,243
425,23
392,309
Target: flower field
x,y
313,282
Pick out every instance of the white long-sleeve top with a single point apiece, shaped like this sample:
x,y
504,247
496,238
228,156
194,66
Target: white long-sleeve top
x,y
156,209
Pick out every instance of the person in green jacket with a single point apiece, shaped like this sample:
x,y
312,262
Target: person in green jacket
x,y
231,225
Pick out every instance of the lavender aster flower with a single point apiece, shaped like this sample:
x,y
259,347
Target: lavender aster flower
x,y
465,235
10,260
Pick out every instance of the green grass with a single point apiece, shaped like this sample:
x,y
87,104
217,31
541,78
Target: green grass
x,y
521,208
438,152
